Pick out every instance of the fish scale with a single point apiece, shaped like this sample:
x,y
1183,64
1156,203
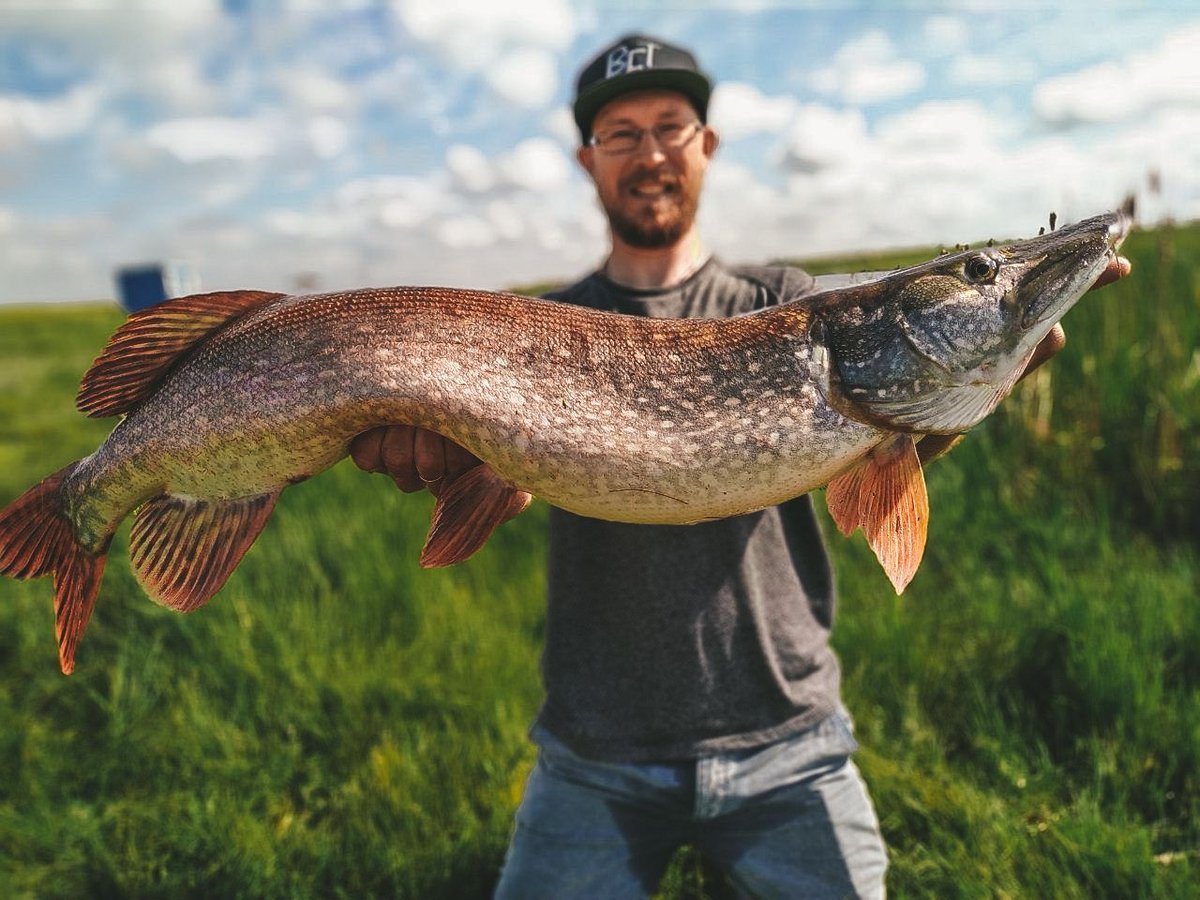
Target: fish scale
x,y
230,397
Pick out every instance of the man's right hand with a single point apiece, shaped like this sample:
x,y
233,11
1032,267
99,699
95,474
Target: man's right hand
x,y
416,458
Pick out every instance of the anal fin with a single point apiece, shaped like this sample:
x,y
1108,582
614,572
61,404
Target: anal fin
x,y
468,510
885,495
184,549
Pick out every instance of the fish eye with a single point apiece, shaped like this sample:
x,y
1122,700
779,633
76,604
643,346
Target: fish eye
x,y
980,269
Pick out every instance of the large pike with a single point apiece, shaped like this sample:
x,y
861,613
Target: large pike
x,y
230,397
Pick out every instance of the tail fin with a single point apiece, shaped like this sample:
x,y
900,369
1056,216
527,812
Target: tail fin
x,y
37,539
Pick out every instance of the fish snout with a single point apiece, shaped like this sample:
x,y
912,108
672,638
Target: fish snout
x,y
1119,228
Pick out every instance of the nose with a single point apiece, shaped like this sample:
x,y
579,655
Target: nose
x,y
649,146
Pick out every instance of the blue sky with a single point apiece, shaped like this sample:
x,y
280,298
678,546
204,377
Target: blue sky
x,y
278,144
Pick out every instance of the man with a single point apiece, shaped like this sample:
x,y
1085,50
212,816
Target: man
x,y
691,693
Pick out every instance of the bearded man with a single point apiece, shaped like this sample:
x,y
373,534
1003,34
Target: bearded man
x,y
692,696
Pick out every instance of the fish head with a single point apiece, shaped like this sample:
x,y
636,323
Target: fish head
x,y
935,347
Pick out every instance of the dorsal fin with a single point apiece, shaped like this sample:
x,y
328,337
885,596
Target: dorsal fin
x,y
150,341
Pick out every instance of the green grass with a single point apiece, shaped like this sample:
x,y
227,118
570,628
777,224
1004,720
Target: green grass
x,y
340,723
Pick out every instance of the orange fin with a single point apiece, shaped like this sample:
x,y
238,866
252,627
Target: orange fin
x,y
142,350
185,549
885,495
36,538
467,512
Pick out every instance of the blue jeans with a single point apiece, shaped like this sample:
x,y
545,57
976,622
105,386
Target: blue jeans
x,y
790,819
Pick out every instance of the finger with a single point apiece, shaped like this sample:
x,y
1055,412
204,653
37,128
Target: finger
x,y
429,454
1051,344
365,450
397,453
1117,269
458,459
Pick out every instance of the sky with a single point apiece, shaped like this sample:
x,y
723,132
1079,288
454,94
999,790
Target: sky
x,y
296,146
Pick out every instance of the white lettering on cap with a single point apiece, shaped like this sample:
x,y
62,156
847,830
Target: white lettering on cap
x,y
623,60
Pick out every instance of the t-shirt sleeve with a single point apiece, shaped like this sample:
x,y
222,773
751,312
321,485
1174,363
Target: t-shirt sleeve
x,y
780,283
844,279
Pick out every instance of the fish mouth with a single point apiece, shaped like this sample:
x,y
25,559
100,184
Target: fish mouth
x,y
1065,263
1118,229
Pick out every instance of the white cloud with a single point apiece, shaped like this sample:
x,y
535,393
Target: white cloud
x,y
867,70
258,162
470,169
505,219
877,82
328,136
98,30
203,138
465,232
1113,91
989,70
472,35
396,201
559,123
945,35
177,81
821,137
23,119
946,127
313,90
525,77
287,221
537,164
739,209
739,110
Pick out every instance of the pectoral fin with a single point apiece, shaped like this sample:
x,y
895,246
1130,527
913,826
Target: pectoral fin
x,y
468,510
885,496
184,549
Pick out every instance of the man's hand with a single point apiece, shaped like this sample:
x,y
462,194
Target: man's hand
x,y
1117,269
932,446
414,457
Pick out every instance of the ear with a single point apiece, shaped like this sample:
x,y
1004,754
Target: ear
x,y
586,157
712,140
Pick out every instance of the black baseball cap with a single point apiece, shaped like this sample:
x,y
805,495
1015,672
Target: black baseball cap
x,y
637,62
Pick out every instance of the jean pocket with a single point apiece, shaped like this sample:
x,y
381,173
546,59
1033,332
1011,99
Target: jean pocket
x,y
828,743
842,726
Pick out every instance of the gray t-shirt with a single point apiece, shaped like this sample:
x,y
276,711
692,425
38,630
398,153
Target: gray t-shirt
x,y
665,642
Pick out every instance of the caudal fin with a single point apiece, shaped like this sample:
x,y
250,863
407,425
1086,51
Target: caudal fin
x,y
37,539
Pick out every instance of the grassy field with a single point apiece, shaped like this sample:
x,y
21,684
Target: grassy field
x,y
339,723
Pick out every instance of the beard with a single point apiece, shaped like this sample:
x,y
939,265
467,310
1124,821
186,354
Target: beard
x,y
655,222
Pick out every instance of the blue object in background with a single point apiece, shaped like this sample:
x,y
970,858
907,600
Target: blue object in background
x,y
142,286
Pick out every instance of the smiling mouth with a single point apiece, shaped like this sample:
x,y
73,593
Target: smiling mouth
x,y
650,190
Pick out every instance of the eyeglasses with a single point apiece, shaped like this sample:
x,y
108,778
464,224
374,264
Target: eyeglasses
x,y
670,136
